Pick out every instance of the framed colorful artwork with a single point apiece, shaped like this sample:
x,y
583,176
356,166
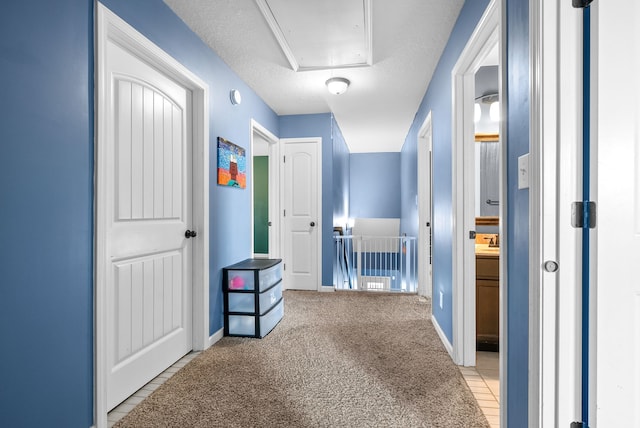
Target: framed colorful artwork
x,y
232,164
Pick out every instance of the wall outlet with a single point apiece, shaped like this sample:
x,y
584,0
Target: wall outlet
x,y
441,299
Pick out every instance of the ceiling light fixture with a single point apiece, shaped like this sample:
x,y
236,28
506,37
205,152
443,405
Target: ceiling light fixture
x,y
337,85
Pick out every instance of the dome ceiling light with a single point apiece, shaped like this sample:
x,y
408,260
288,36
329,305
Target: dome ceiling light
x,y
337,85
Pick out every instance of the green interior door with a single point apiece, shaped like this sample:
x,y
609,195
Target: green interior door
x,y
261,204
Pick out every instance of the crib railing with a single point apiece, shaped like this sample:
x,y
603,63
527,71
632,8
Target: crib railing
x,y
375,263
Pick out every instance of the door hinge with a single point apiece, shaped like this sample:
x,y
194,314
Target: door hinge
x,y
578,425
583,214
284,266
581,4
284,213
472,234
284,159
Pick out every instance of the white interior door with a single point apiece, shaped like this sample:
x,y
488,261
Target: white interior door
x,y
302,213
148,203
424,201
616,130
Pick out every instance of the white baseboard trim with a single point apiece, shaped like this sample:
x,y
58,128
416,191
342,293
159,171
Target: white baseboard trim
x,y
443,337
327,288
215,337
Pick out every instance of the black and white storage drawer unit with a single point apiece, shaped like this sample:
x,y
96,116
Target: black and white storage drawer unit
x,y
253,303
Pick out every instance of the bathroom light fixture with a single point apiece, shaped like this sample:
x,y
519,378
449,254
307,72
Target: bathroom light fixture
x,y
494,111
337,85
493,99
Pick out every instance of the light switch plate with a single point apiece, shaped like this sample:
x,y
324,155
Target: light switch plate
x,y
523,171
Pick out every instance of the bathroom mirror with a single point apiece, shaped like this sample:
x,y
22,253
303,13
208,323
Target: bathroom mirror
x,y
487,149
487,179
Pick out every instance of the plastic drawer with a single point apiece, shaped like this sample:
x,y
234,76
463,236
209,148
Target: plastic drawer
x,y
270,276
245,325
242,325
273,317
241,280
246,302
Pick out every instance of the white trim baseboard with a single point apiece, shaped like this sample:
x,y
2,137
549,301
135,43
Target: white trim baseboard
x,y
215,337
327,289
443,337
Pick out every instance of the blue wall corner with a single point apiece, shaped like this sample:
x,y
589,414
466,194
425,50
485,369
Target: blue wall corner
x,y
341,176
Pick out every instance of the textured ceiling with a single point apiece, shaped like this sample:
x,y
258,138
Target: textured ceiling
x,y
376,112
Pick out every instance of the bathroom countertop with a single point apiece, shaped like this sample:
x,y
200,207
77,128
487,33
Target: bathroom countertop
x,y
486,250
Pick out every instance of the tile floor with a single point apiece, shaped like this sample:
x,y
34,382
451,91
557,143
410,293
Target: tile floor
x,y
484,381
127,405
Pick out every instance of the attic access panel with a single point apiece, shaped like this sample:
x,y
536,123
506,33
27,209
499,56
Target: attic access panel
x,y
317,35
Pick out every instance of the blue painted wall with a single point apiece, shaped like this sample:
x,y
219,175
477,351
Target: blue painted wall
x,y
517,221
438,100
375,185
46,182
46,188
318,125
341,176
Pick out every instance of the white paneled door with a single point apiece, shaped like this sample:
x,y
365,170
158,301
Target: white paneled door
x,y
616,124
149,210
424,208
302,210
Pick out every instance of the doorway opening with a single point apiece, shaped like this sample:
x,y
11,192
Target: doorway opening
x,y
265,193
477,182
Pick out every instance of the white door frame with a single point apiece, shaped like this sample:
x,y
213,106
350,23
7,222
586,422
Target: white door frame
x,y
274,187
109,27
484,38
556,135
283,241
425,203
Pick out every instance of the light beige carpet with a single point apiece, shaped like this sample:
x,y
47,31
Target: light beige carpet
x,y
341,359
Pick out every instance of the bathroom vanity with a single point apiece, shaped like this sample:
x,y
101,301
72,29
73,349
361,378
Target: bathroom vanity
x,y
487,299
